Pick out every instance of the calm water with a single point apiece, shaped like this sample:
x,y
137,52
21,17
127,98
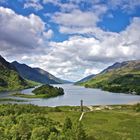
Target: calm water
x,y
73,95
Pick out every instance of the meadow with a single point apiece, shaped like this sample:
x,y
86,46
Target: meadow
x,y
119,122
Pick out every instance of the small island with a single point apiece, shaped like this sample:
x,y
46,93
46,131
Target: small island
x,y
44,91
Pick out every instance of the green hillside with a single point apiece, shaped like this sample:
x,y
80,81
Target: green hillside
x,y
125,78
9,77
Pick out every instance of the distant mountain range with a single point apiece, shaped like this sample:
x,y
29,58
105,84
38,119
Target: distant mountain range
x,y
14,76
10,78
119,77
85,79
37,74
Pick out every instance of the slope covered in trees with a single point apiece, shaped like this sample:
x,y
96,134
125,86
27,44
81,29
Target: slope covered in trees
x,y
120,77
10,78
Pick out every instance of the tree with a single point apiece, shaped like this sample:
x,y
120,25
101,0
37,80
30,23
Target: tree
x,y
79,132
14,132
53,136
24,130
67,124
67,132
1,133
40,133
72,132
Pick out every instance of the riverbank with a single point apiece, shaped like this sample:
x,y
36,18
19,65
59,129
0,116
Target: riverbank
x,y
29,96
11,100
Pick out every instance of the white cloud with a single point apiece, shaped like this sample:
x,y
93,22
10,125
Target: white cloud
x,y
20,35
91,71
48,34
77,21
80,56
83,56
55,2
75,18
126,5
33,4
26,38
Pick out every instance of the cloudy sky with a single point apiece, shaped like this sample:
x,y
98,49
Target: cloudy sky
x,y
70,38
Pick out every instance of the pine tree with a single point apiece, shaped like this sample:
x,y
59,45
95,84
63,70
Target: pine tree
x,y
79,132
67,124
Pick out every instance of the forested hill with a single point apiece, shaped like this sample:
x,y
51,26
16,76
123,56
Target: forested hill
x,y
10,78
120,77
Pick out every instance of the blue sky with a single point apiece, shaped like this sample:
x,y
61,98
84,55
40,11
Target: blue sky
x,y
70,38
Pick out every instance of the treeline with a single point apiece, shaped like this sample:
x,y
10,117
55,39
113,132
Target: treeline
x,y
48,91
128,83
28,122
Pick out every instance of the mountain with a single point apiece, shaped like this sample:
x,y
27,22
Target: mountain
x,y
10,78
85,79
37,74
115,66
120,77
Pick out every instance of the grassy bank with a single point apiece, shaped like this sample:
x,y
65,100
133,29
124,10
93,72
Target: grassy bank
x,y
11,100
32,96
28,96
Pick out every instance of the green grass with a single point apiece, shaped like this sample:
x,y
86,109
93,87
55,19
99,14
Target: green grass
x,y
120,123
33,83
31,96
28,96
60,116
11,100
107,125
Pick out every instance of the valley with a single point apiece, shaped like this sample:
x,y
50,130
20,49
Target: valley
x,y
69,69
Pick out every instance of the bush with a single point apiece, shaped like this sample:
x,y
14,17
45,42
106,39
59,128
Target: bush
x,y
137,107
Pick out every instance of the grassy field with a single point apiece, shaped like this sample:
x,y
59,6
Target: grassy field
x,y
118,122
116,125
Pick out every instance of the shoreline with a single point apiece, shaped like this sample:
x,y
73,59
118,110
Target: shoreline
x,y
102,106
